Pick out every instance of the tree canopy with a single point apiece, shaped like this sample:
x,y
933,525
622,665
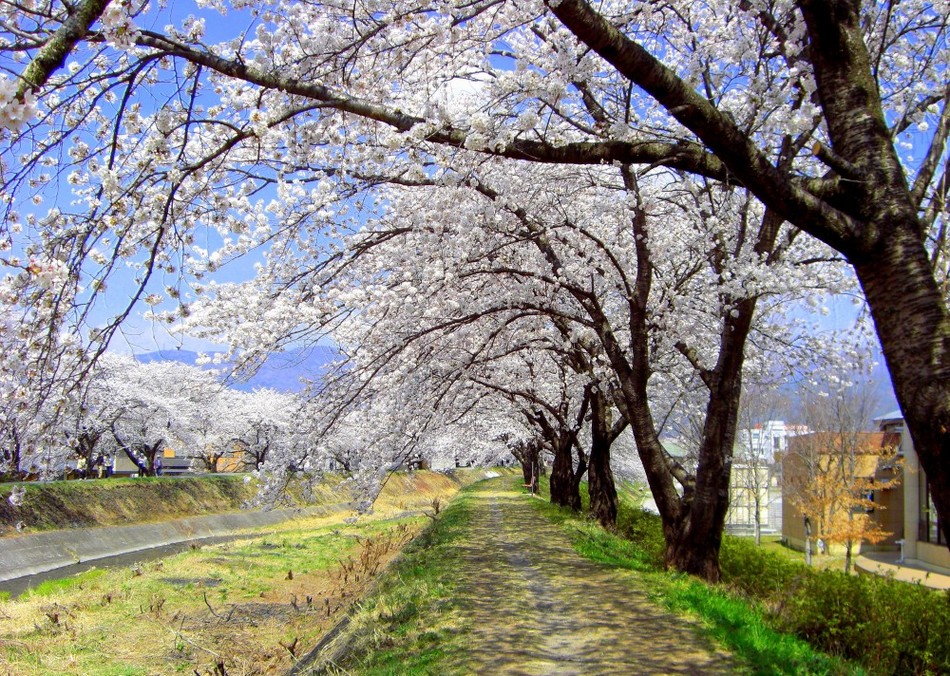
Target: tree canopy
x,y
628,185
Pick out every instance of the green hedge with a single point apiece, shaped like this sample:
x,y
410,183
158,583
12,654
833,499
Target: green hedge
x,y
890,627
887,626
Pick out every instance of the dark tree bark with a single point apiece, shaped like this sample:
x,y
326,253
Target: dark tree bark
x,y
560,436
577,476
696,551
86,443
871,216
12,455
528,454
143,457
565,488
600,477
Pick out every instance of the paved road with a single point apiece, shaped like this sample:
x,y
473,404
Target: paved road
x,y
537,607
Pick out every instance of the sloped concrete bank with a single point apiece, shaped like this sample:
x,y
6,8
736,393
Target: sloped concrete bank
x,y
42,552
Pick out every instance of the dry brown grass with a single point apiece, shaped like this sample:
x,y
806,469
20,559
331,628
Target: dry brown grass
x,y
240,608
248,608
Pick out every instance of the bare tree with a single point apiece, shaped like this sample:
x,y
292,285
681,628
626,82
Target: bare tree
x,y
754,461
833,472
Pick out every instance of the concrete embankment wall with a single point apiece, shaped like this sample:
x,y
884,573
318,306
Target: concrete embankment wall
x,y
41,552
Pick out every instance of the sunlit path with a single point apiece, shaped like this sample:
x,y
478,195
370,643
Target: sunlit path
x,y
537,607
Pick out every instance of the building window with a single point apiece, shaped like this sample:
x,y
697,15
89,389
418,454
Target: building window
x,y
929,530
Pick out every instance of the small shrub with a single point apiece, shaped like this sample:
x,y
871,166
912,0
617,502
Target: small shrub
x,y
644,529
892,627
829,610
753,572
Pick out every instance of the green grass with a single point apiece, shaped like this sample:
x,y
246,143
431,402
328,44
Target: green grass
x,y
409,626
168,616
54,587
742,627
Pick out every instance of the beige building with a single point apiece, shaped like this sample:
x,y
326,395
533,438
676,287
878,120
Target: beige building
x,y
922,538
884,497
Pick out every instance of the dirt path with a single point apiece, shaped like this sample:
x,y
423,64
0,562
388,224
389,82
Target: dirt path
x,y
537,607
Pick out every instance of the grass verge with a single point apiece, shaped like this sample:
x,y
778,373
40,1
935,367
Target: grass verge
x,y
250,607
410,624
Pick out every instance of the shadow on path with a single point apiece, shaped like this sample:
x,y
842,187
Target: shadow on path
x,y
535,606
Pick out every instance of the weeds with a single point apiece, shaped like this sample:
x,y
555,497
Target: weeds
x,y
231,607
410,625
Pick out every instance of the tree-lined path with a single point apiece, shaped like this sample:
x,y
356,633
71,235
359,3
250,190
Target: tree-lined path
x,y
535,606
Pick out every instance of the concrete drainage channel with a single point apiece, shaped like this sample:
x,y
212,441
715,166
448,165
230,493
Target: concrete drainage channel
x,y
26,558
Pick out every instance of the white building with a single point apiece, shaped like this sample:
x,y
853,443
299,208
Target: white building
x,y
755,481
769,438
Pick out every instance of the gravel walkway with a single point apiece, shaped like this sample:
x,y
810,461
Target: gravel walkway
x,y
538,607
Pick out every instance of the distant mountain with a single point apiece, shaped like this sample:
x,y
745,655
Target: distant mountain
x,y
282,371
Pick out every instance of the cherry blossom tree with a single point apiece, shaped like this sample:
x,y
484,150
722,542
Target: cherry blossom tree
x,y
286,129
212,426
266,417
563,287
143,408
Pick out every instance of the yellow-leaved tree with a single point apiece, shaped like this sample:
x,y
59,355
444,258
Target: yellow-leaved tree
x,y
837,475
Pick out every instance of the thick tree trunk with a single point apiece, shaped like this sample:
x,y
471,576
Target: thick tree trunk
x,y
527,472
564,489
529,455
86,444
600,484
577,476
600,477
913,324
699,557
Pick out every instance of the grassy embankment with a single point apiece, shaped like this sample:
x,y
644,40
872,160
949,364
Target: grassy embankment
x,y
238,608
121,501
110,502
